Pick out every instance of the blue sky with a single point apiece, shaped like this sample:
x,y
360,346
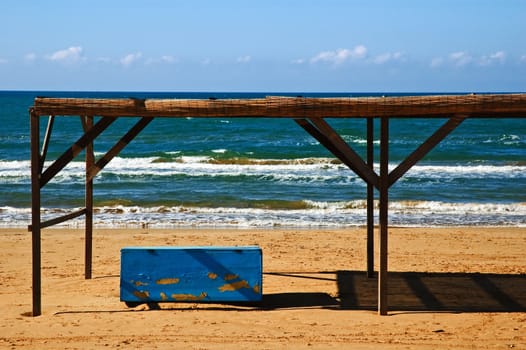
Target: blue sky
x,y
287,45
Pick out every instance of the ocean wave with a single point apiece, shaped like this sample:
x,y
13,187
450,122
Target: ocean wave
x,y
239,160
304,169
506,139
310,214
14,168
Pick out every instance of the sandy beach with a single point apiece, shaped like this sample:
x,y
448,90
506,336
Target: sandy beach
x,y
453,287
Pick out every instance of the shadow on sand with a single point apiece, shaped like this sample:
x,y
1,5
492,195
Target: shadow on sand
x,y
408,292
412,291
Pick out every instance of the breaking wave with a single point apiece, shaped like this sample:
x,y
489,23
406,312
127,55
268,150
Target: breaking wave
x,y
302,214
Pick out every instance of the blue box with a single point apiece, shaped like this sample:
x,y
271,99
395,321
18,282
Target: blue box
x,y
183,274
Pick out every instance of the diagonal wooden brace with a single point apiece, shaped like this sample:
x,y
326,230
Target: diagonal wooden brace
x,y
45,145
75,149
329,138
425,148
114,151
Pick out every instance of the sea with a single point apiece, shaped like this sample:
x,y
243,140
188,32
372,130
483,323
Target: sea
x,y
263,173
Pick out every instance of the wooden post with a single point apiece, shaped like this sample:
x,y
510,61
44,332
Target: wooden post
x,y
370,199
383,216
90,160
35,212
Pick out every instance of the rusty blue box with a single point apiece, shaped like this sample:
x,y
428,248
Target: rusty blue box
x,y
207,274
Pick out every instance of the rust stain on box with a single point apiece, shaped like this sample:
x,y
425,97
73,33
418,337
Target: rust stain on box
x,y
141,294
167,281
189,297
230,277
231,287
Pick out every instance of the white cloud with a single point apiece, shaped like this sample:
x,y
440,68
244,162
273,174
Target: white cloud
x,y
340,56
497,57
523,59
437,62
206,61
3,60
243,59
70,55
30,57
168,59
460,58
298,61
388,56
129,59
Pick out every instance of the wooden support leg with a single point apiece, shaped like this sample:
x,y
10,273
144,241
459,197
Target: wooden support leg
x,y
35,212
383,216
88,251
370,200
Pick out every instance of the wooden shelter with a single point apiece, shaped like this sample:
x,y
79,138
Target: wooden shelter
x,y
309,113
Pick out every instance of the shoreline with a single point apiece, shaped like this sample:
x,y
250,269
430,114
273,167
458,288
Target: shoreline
x,y
321,216
452,287
259,228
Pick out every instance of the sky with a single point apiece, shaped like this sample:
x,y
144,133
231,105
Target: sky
x,y
264,46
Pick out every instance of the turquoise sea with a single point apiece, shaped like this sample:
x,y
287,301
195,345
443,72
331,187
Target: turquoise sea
x,y
264,172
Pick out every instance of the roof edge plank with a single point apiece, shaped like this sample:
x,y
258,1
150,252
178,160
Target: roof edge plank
x,y
472,105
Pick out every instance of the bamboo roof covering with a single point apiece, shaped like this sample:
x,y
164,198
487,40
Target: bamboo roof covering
x,y
472,105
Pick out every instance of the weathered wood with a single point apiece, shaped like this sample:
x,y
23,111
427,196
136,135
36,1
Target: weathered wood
x,y
35,213
370,200
344,153
191,274
425,148
75,149
352,159
94,169
60,219
47,138
486,105
383,217
88,201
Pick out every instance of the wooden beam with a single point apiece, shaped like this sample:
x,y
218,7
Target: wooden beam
x,y
383,217
60,219
323,140
485,105
425,148
35,212
94,169
88,202
353,160
47,138
75,149
370,199
329,145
